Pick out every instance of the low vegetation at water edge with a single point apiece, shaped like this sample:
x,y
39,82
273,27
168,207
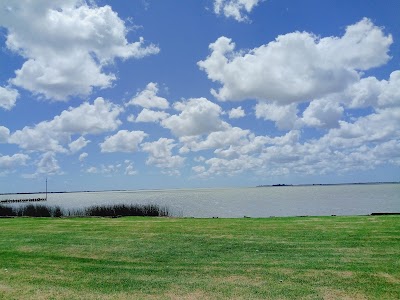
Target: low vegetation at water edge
x,y
179,258
118,210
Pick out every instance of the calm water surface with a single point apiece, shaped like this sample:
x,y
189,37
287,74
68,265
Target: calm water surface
x,y
251,202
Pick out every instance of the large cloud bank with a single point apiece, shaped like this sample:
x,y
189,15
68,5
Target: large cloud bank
x,y
296,67
66,45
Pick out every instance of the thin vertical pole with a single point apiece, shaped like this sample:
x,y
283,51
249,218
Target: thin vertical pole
x,y
46,188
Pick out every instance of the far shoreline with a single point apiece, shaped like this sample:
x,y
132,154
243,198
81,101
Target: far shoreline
x,y
159,189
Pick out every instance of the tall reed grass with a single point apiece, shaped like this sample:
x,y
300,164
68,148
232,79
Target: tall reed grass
x,y
118,210
30,211
150,210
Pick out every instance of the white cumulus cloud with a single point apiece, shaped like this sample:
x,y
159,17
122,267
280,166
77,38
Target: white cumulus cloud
x,y
8,163
296,67
8,97
236,9
130,170
379,127
96,118
78,144
92,170
198,116
66,45
284,116
48,164
83,156
236,113
371,92
148,115
148,98
123,141
323,114
4,134
160,155
218,139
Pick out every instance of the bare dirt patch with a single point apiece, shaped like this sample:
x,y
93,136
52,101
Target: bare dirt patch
x,y
195,295
241,280
5,288
389,278
331,294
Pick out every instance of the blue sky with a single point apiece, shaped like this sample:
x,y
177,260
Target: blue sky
x,y
148,94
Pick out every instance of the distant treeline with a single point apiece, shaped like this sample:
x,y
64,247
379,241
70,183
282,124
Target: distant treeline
x,y
329,184
93,211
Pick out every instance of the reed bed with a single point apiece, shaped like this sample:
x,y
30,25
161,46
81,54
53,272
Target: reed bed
x,y
126,210
118,210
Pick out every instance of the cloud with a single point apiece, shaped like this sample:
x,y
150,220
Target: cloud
x,y
130,170
390,92
148,98
78,144
199,159
230,167
236,113
370,92
369,142
322,114
123,141
131,118
236,9
296,67
111,168
4,134
198,169
198,116
66,45
83,156
284,116
366,143
92,170
326,112
9,163
40,138
379,127
147,115
48,164
96,118
125,168
8,97
218,139
160,155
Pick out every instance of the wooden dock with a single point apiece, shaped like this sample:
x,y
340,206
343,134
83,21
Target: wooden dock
x,y
5,201
22,200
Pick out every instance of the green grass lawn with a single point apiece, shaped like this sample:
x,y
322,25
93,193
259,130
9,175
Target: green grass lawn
x,y
167,258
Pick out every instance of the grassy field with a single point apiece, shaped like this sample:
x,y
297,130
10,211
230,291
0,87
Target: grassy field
x,y
167,258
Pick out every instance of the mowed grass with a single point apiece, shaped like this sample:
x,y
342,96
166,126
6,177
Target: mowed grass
x,y
168,258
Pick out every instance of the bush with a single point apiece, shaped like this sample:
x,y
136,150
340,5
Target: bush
x,y
6,211
57,212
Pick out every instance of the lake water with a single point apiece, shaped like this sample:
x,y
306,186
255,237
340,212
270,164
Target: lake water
x,y
240,202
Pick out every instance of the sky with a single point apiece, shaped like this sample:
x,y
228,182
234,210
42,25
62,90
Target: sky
x,y
150,94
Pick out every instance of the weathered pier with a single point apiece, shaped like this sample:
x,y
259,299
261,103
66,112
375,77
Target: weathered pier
x,y
4,201
23,200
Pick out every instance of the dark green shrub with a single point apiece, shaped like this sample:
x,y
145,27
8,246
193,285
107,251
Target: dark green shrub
x,y
6,211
